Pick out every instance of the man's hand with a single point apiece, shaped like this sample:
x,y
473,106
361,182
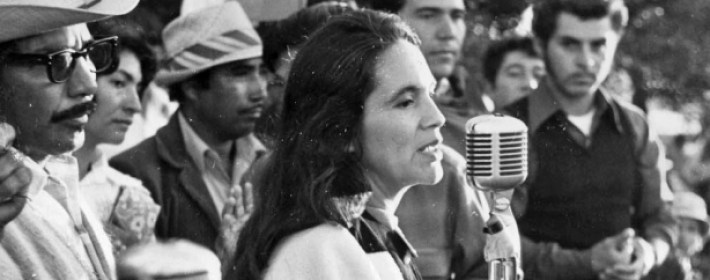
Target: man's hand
x,y
15,178
235,213
613,250
644,258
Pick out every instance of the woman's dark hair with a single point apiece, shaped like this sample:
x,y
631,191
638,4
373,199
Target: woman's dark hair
x,y
389,6
496,52
314,162
278,38
131,37
546,13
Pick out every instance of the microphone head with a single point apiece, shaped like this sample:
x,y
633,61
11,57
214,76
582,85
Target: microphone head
x,y
496,152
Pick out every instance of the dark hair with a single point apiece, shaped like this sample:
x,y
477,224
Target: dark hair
x,y
295,30
496,52
131,37
312,164
277,38
350,3
545,14
199,81
389,6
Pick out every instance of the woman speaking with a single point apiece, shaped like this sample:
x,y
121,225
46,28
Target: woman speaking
x,y
359,128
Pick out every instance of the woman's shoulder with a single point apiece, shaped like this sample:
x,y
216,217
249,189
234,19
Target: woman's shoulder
x,y
323,239
326,251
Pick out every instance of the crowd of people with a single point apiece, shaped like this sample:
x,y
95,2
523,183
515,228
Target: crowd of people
x,y
329,143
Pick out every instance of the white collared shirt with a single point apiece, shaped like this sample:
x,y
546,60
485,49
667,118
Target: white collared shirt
x,y
215,176
55,197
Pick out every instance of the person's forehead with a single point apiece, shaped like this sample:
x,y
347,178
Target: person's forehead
x,y
407,59
570,25
250,63
519,57
413,5
70,37
130,65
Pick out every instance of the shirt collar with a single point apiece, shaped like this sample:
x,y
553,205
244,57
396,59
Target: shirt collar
x,y
384,217
543,105
64,167
248,147
100,163
194,145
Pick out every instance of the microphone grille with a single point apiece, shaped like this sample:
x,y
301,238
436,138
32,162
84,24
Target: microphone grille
x,y
496,152
479,154
513,157
510,160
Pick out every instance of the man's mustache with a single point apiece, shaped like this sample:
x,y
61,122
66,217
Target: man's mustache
x,y
75,112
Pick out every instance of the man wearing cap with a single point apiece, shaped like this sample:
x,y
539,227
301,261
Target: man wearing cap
x,y
691,211
191,166
48,66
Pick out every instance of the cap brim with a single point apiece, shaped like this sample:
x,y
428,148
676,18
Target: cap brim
x,y
33,17
165,77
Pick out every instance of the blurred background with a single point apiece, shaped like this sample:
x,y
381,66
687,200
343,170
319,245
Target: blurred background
x,y
663,62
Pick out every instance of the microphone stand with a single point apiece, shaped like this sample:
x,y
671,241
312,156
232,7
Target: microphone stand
x,y
496,162
502,250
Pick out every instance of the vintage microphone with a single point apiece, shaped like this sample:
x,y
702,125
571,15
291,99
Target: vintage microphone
x,y
496,163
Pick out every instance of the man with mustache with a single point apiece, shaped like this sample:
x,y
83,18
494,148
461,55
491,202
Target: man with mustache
x,y
594,164
48,66
196,163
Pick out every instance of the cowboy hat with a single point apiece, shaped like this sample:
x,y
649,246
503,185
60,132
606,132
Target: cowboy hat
x,y
206,38
23,18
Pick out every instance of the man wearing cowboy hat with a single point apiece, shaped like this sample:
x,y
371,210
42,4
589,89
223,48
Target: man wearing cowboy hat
x,y
48,66
195,165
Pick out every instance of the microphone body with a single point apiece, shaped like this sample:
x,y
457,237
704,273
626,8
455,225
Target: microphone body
x,y
496,152
496,163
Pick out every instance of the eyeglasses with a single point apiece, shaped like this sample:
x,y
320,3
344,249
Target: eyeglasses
x,y
60,65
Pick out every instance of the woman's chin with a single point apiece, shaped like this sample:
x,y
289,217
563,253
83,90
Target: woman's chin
x,y
433,175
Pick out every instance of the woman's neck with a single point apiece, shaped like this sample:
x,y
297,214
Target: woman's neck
x,y
85,156
384,197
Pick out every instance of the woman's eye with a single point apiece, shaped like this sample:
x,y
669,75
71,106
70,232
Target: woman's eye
x,y
118,84
405,103
515,74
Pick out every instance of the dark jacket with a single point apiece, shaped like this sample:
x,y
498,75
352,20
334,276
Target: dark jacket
x,y
175,183
550,181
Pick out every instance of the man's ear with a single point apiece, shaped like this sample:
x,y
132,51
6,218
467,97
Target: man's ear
x,y
190,89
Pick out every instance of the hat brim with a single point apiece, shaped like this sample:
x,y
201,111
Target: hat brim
x,y
26,18
167,77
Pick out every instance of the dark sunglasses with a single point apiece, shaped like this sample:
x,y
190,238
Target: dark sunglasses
x,y
60,65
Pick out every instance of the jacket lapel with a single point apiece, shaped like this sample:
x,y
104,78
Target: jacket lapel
x,y
171,147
